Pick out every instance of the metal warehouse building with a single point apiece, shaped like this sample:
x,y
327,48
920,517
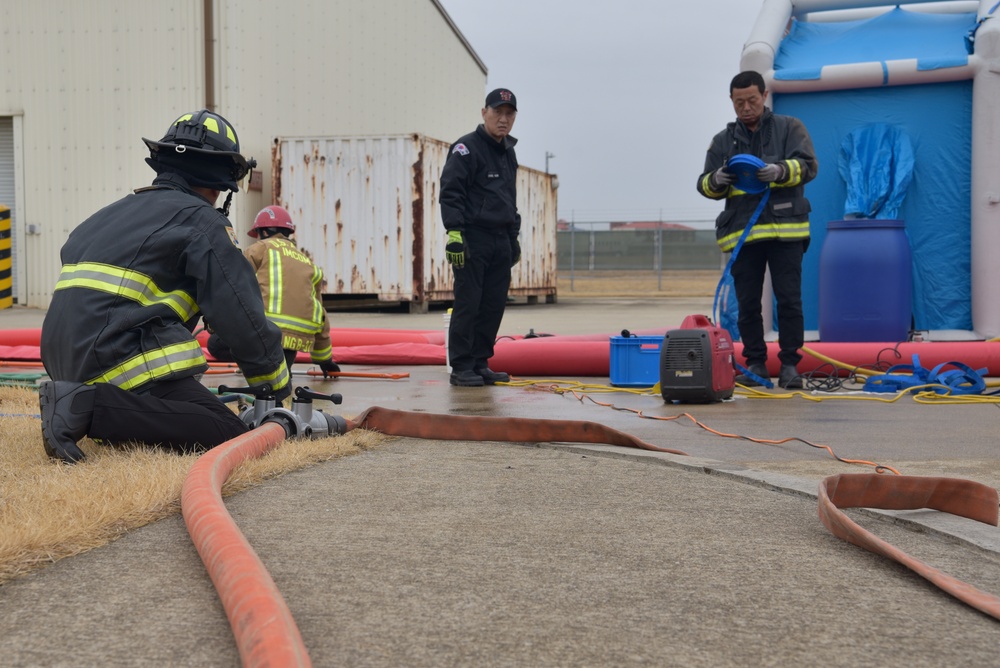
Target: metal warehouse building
x,y
82,82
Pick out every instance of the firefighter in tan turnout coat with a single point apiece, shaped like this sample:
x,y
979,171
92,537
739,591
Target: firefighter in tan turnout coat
x,y
291,286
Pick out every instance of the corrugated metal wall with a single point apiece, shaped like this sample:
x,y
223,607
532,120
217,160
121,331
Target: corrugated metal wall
x,y
366,209
324,68
90,79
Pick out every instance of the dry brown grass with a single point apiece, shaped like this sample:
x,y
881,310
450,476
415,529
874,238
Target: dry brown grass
x,y
50,510
687,283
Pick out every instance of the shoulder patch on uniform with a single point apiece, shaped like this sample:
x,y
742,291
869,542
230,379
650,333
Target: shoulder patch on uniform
x,y
460,149
232,236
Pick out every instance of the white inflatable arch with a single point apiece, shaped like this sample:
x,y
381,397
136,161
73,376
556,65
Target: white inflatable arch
x,y
983,68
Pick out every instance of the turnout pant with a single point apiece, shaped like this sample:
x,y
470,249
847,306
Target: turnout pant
x,y
784,259
181,415
480,298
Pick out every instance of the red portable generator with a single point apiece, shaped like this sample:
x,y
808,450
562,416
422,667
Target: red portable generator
x,y
696,363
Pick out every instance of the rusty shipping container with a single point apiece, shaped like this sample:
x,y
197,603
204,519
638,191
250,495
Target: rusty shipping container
x,y
366,209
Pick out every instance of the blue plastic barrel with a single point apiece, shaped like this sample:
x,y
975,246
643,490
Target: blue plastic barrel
x,y
865,281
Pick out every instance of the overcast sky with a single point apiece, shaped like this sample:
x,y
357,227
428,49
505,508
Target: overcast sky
x,y
626,94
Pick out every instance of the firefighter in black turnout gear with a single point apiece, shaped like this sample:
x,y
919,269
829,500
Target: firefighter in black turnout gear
x,y
479,208
117,339
780,236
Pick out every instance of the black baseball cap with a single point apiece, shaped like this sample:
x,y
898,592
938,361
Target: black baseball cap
x,y
501,96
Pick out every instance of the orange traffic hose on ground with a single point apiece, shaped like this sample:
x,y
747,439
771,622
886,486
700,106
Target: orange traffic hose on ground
x,y
265,631
964,498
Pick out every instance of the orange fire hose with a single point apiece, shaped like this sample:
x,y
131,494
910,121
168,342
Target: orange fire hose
x,y
517,430
964,498
265,631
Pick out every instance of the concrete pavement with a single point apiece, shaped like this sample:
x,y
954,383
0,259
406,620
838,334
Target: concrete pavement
x,y
434,553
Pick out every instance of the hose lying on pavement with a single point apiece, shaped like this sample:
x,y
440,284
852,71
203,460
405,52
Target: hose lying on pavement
x,y
265,632
517,430
964,498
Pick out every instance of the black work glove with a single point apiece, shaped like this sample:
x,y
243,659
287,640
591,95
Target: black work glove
x,y
515,251
329,366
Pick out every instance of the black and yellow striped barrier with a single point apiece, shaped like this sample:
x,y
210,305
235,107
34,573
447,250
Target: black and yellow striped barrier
x,y
6,279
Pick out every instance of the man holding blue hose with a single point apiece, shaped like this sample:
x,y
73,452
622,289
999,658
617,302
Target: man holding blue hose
x,y
779,236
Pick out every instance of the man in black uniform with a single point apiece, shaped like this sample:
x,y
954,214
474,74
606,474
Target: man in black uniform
x,y
780,237
479,209
117,339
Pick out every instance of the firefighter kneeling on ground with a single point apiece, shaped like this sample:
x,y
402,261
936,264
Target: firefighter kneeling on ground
x,y
292,289
117,340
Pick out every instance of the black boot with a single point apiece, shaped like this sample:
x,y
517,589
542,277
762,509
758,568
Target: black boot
x,y
67,410
758,369
466,378
491,377
789,377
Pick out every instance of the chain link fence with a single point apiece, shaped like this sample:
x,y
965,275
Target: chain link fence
x,y
653,256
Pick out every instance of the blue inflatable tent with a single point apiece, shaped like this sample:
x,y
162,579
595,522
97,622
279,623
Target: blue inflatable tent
x,y
843,66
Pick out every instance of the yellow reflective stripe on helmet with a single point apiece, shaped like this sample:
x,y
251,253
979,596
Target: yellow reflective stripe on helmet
x,y
127,283
277,380
153,365
294,324
779,231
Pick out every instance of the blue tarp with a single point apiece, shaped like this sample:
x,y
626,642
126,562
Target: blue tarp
x,y
937,118
876,163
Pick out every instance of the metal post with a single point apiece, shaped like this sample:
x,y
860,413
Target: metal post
x,y
659,253
572,247
547,156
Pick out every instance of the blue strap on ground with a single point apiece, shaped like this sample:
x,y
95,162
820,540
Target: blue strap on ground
x,y
766,382
961,379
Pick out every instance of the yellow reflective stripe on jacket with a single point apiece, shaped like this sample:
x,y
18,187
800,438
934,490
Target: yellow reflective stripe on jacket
x,y
322,355
706,185
779,231
317,304
152,365
133,285
294,324
277,380
274,286
794,168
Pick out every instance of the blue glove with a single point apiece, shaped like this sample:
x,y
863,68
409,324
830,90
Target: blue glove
x,y
454,252
771,173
